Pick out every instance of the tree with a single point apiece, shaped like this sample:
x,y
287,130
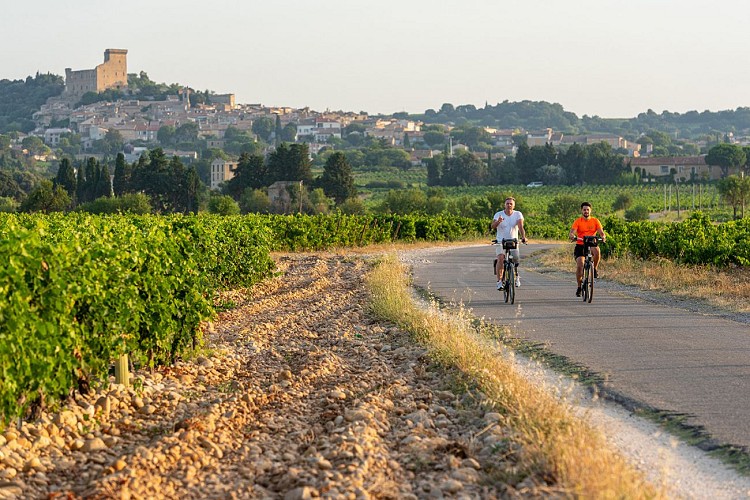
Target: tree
x,y
277,131
123,172
622,202
736,190
46,198
290,163
251,172
34,145
289,133
727,157
564,207
435,170
130,203
573,162
337,180
9,187
166,135
524,163
433,138
112,142
103,186
187,134
255,201
637,214
86,183
464,169
8,204
262,127
66,177
552,175
223,205
80,185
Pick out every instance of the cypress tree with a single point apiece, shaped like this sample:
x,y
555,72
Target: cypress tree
x,y
337,180
121,182
66,177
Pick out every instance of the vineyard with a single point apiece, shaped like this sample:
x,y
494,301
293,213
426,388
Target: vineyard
x,y
535,200
80,290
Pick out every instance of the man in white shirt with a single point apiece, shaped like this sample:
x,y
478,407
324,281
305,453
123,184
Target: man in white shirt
x,y
509,224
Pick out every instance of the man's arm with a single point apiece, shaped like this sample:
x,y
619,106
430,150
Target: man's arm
x,y
521,230
573,234
496,222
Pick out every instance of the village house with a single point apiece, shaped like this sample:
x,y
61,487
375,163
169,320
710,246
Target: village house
x,y
222,171
684,168
52,135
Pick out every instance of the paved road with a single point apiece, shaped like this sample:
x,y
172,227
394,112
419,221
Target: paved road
x,y
669,358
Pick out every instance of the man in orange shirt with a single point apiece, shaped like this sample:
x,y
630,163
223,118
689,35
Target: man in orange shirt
x,y
585,226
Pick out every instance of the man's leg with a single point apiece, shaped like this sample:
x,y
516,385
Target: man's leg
x,y
516,261
596,255
500,266
579,270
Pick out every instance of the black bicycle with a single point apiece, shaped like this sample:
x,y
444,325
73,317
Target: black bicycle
x,y
587,285
509,269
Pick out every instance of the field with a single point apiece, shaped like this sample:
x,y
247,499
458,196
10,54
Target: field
x,y
534,201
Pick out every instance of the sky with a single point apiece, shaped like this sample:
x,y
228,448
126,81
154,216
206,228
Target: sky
x,y
613,59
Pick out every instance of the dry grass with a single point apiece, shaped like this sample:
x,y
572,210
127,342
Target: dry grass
x,y
726,289
557,445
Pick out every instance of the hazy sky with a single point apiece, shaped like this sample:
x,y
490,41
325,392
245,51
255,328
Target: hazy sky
x,y
594,57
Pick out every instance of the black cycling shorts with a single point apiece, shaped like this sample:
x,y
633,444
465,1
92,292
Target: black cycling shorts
x,y
579,252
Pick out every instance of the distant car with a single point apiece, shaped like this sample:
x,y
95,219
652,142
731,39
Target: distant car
x,y
534,184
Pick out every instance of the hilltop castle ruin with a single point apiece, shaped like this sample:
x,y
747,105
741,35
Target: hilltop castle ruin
x,y
112,73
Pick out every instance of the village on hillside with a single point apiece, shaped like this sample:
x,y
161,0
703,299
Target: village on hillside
x,y
139,121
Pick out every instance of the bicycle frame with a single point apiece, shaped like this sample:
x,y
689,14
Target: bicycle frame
x,y
587,284
509,270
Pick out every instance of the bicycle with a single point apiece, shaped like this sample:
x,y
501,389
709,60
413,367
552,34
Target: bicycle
x,y
587,284
509,269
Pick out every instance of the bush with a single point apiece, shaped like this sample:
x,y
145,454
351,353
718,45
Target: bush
x,y
637,213
623,202
353,206
564,207
8,204
131,203
223,205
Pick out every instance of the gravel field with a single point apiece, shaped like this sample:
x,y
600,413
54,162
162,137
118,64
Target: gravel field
x,y
301,394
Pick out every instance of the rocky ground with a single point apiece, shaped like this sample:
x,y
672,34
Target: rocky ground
x,y
302,394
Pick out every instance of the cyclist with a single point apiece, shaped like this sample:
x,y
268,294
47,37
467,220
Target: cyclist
x,y
509,224
586,225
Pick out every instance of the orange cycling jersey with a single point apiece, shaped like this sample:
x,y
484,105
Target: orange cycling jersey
x,y
584,227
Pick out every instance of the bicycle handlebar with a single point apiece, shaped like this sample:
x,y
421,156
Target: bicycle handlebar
x,y
495,242
598,238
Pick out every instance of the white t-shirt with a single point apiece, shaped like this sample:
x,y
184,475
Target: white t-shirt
x,y
508,228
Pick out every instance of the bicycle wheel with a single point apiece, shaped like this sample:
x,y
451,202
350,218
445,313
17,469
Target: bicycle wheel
x,y
585,282
510,285
591,284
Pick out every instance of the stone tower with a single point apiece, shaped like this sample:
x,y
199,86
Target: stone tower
x,y
112,73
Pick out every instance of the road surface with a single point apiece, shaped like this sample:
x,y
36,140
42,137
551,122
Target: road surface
x,y
665,357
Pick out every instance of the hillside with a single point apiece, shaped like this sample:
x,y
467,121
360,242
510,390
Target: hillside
x,y
20,99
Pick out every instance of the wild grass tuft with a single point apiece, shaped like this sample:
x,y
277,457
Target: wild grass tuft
x,y
557,445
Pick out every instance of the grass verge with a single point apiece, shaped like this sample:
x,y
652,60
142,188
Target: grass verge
x,y
727,289
557,444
